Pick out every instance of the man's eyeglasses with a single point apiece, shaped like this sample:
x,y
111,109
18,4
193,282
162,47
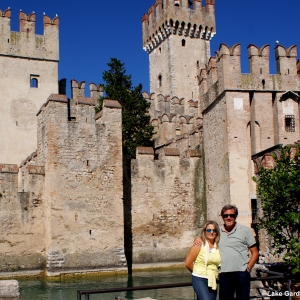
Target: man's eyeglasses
x,y
211,230
228,215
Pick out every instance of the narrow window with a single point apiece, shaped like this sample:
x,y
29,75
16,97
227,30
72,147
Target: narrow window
x,y
159,80
34,83
254,210
183,43
290,123
159,49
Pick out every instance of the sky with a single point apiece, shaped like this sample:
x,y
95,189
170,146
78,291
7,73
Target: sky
x,y
93,31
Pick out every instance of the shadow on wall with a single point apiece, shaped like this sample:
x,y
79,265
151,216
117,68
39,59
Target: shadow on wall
x,y
127,206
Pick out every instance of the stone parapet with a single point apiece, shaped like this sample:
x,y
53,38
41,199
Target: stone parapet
x,y
27,44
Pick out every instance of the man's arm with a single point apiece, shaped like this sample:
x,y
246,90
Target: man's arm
x,y
254,257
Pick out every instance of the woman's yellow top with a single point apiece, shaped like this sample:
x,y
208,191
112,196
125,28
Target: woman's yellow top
x,y
207,263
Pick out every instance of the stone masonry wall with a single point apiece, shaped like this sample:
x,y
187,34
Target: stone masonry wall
x,y
83,185
25,55
244,114
168,205
22,222
62,210
215,146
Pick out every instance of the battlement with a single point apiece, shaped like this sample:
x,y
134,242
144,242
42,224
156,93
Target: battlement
x,y
165,151
25,43
172,118
223,72
77,91
178,17
161,105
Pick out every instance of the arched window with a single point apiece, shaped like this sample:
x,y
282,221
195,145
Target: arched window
x,y
34,83
177,3
183,43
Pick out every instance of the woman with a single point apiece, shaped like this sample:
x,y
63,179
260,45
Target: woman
x,y
203,262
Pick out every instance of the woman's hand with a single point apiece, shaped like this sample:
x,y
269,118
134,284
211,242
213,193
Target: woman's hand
x,y
191,257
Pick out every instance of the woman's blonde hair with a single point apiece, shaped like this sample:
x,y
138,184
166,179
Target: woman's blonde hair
x,y
216,226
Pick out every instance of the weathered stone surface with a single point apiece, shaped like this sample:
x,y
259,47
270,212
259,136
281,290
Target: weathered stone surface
x,y
245,114
9,290
67,208
167,207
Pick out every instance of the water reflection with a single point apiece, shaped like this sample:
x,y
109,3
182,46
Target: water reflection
x,y
65,289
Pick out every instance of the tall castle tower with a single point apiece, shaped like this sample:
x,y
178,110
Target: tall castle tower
x,y
28,75
176,34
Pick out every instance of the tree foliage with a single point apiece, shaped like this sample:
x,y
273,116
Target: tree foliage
x,y
279,192
136,128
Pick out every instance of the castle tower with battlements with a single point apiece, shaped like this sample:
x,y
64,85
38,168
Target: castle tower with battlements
x,y
244,116
28,75
176,34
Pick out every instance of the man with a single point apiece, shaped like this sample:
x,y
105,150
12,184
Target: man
x,y
235,242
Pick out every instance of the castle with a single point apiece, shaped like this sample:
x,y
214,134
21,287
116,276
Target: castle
x,y
63,203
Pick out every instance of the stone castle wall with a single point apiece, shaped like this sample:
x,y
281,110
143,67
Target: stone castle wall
x,y
25,56
66,212
168,204
22,220
244,114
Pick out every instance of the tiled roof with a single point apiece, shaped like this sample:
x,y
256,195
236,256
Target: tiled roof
x,y
40,170
171,152
99,115
194,153
111,103
7,168
145,150
85,100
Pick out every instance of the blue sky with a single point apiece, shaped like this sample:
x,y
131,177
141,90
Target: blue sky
x,y
93,31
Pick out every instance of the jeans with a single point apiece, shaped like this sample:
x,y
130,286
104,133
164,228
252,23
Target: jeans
x,y
238,282
202,290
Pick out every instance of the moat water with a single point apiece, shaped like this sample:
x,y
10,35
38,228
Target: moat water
x,y
66,289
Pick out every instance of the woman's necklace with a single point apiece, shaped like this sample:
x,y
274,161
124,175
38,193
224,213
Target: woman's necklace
x,y
212,248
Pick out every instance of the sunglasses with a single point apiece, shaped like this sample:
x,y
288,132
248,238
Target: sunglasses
x,y
228,215
211,230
